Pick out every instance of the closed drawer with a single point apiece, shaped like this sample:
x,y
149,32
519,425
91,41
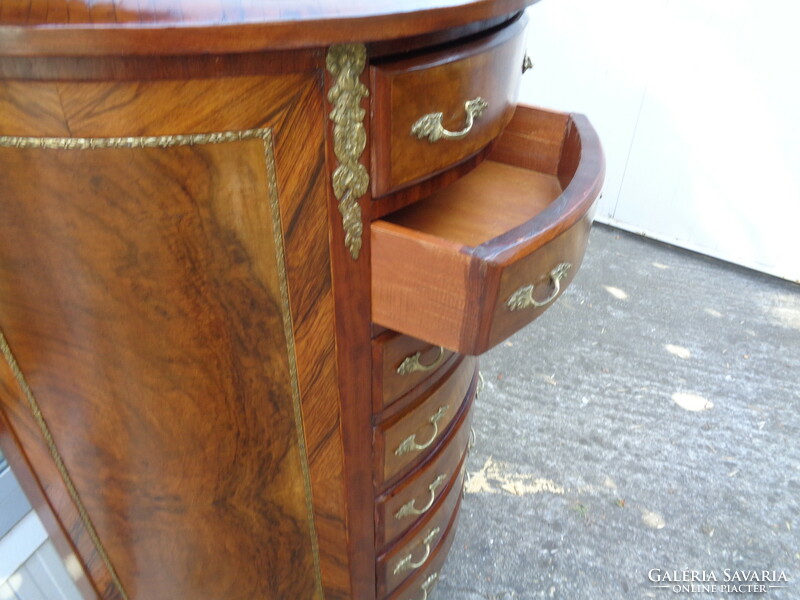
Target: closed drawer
x,y
414,97
473,263
404,362
421,584
414,550
407,438
422,492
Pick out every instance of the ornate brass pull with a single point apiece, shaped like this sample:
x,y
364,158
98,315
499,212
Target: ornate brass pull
x,y
427,585
407,562
410,443
527,63
523,297
414,363
409,508
430,126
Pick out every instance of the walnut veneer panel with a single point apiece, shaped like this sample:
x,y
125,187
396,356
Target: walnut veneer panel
x,y
302,183
145,302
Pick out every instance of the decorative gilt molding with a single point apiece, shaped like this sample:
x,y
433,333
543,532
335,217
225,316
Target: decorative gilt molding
x,y
350,180
155,141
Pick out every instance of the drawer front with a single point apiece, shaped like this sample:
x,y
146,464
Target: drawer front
x,y
418,495
474,262
411,554
420,586
418,97
418,431
531,285
404,362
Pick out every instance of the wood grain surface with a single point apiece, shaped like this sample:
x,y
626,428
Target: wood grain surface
x,y
467,212
141,295
389,351
52,503
448,461
446,400
83,27
302,188
438,264
414,542
405,90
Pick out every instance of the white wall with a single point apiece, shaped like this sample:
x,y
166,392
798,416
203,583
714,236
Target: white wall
x,y
697,103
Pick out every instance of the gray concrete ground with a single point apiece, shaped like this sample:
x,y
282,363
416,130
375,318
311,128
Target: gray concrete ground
x,y
649,420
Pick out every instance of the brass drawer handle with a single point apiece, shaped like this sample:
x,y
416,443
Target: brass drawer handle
x,y
523,297
409,508
407,563
414,363
430,126
427,585
410,443
527,63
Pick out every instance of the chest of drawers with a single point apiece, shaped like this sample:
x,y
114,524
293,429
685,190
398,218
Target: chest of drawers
x,y
249,253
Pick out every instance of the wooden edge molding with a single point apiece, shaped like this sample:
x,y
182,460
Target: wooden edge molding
x,y
169,141
350,179
288,326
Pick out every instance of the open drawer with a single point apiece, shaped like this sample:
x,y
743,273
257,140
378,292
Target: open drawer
x,y
471,264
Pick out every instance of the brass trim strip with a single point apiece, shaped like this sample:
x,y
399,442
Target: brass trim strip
x,y
288,327
350,179
156,141
170,141
62,469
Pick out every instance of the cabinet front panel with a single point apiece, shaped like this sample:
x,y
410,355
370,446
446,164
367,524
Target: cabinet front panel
x,y
143,300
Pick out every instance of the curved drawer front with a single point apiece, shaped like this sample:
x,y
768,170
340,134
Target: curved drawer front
x,y
473,263
418,495
411,554
421,429
421,584
418,100
404,362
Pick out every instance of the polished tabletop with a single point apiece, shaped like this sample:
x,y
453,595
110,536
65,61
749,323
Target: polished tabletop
x,y
153,27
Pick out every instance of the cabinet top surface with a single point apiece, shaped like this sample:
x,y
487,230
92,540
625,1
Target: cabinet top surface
x,y
153,27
